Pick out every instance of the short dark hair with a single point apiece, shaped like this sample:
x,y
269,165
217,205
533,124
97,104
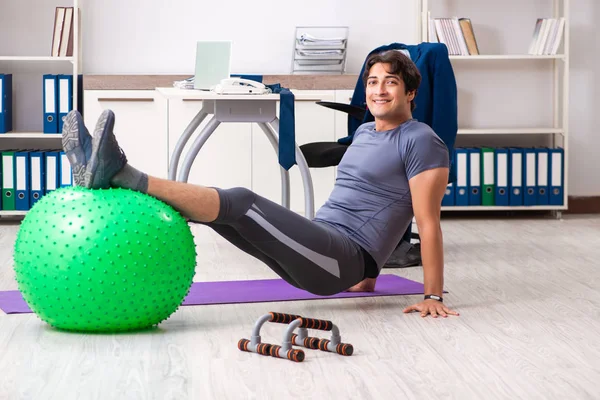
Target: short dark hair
x,y
400,65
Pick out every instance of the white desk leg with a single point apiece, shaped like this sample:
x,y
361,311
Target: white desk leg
x,y
189,130
184,173
285,175
309,202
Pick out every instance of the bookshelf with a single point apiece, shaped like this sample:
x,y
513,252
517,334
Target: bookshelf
x,y
508,57
31,135
39,58
27,59
47,61
555,133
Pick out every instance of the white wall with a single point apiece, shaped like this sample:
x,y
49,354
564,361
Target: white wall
x,y
158,37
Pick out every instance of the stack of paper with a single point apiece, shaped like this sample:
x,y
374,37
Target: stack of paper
x,y
185,84
320,50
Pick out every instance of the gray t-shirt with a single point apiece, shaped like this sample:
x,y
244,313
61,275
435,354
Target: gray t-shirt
x,y
371,200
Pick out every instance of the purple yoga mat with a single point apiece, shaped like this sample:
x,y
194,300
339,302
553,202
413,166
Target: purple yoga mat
x,y
249,291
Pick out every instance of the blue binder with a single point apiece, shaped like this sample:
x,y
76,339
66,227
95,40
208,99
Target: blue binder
x,y
36,162
543,197
65,98
515,174
448,199
5,103
501,196
22,182
474,171
461,192
529,177
52,170
50,93
66,174
557,179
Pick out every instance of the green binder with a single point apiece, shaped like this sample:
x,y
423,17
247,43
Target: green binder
x,y
8,180
487,177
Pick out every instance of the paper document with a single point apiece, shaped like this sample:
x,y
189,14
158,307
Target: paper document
x,y
310,40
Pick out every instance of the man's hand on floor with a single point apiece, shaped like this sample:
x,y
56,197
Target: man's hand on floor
x,y
432,307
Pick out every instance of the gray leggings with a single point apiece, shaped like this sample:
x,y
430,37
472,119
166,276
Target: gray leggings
x,y
309,255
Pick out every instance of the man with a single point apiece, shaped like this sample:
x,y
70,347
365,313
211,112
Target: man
x,y
394,164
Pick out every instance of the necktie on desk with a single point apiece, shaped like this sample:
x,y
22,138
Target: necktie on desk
x,y
287,128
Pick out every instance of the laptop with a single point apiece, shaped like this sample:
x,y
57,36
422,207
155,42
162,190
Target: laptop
x,y
213,63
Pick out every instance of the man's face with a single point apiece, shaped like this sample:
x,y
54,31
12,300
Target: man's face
x,y
386,95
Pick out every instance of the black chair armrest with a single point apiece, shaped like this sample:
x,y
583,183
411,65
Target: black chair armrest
x,y
323,154
355,111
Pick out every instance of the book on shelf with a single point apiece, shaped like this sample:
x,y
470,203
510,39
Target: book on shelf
x,y
456,33
62,39
547,36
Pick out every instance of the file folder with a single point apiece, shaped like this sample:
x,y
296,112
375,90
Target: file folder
x,y
8,180
557,165
22,180
487,173
501,177
515,168
530,177
65,98
36,160
543,198
50,103
66,175
6,103
461,192
52,168
474,168
448,199
80,94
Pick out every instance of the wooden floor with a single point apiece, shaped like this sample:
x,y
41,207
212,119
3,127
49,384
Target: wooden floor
x,y
527,291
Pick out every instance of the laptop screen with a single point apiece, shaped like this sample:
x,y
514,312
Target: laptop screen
x,y
213,63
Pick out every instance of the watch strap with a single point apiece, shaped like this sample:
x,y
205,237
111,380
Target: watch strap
x,y
434,297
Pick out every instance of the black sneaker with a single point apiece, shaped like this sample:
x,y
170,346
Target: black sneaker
x,y
107,157
77,145
404,256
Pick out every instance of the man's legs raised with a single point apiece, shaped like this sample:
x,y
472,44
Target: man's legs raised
x,y
307,254
101,163
195,202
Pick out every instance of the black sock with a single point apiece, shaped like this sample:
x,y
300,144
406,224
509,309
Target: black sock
x,y
131,178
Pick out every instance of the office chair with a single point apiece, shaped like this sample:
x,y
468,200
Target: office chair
x,y
436,105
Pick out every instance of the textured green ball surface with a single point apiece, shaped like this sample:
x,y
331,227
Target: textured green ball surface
x,y
103,260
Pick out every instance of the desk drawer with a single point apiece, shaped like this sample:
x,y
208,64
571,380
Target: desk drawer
x,y
245,111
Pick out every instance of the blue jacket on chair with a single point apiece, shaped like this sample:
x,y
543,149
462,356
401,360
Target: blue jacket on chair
x,y
436,100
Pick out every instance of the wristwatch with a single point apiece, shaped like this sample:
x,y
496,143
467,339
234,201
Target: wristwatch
x,y
434,297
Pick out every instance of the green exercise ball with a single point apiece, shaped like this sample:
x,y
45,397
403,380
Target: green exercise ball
x,y
103,260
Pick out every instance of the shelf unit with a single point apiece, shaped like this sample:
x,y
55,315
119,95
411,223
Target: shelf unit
x,y
37,58
39,139
75,59
497,57
558,133
31,135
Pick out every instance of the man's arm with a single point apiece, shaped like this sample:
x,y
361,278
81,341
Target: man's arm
x,y
427,190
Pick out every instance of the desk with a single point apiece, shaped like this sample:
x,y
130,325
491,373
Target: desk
x,y
259,109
